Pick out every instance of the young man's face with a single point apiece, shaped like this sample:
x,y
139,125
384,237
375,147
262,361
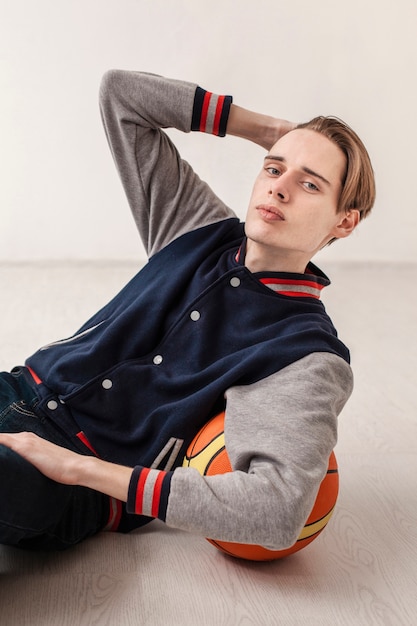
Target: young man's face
x,y
293,208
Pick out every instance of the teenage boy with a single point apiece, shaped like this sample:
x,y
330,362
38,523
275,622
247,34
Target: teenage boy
x,y
224,315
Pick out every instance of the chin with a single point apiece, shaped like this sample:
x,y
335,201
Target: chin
x,y
261,235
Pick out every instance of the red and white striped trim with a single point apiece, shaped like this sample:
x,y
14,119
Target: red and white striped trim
x,y
211,113
295,288
115,513
148,492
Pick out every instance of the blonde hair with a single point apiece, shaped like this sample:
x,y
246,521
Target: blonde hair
x,y
358,184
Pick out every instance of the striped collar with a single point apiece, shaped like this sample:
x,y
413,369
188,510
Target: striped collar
x,y
307,285
299,285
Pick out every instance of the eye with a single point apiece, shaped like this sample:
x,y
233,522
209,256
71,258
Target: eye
x,y
310,186
273,171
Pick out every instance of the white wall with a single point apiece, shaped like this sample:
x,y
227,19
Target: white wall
x,y
59,194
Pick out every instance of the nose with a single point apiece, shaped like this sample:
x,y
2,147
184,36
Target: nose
x,y
280,188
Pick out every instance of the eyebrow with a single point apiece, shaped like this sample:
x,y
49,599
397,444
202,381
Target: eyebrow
x,y
307,170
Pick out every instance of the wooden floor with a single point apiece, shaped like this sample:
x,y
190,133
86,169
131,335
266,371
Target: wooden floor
x,y
361,571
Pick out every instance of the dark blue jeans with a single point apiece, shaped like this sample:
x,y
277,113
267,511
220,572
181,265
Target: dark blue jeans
x,y
37,513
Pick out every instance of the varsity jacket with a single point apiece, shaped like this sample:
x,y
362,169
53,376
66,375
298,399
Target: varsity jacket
x,y
193,333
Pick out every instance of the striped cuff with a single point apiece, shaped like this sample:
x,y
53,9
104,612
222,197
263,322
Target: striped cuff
x,y
148,492
210,112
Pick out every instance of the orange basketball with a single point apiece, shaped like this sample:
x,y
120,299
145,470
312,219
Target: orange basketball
x,y
207,453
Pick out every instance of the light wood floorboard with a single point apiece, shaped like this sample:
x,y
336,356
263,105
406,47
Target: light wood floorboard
x,y
362,570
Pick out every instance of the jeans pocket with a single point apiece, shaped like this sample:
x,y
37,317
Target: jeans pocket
x,y
19,416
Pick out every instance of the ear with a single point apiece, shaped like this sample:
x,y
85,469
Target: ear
x,y
347,224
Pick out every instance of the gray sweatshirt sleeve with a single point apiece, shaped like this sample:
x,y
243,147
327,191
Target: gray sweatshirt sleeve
x,y
166,196
279,433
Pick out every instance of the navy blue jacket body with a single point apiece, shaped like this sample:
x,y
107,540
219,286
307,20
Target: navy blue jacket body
x,y
154,364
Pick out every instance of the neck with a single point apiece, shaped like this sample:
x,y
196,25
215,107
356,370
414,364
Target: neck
x,y
260,258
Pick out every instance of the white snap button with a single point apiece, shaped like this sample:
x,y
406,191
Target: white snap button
x,y
52,405
107,383
195,315
157,359
235,281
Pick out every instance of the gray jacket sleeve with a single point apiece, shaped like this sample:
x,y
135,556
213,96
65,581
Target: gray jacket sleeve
x,y
166,196
279,433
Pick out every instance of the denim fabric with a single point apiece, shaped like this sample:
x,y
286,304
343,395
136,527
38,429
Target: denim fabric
x,y
37,513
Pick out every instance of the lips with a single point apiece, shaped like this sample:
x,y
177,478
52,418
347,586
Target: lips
x,y
270,213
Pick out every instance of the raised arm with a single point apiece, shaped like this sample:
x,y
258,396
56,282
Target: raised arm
x,y
166,196
263,130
